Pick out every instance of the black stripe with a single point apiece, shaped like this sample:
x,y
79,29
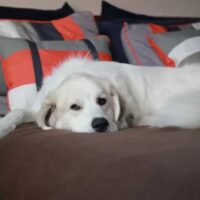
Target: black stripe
x,y
35,14
92,49
46,31
36,64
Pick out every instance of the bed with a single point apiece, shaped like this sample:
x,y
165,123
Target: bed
x,y
137,163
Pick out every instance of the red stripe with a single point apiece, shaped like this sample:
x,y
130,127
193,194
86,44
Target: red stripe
x,y
68,28
18,67
161,54
157,29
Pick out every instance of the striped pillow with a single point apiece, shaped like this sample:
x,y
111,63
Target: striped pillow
x,y
25,63
76,26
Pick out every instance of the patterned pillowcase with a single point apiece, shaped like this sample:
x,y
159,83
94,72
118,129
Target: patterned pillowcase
x,y
174,48
73,27
25,63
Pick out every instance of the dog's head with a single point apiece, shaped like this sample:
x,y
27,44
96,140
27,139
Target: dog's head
x,y
82,103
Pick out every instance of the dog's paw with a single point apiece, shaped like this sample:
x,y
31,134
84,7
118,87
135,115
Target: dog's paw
x,y
46,128
10,122
5,130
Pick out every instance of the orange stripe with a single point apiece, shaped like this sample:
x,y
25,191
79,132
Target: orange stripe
x,y
157,29
161,54
18,67
68,28
52,58
104,56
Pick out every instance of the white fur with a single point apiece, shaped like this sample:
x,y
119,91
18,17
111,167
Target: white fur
x,y
136,96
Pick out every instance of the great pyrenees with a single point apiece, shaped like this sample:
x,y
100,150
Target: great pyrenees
x,y
96,96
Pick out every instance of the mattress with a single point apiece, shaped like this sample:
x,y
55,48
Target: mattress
x,y
138,163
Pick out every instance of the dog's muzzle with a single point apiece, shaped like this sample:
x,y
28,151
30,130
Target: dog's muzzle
x,y
100,124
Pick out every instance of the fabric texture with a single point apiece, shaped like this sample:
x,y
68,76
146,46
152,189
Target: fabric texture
x,y
137,163
20,63
176,46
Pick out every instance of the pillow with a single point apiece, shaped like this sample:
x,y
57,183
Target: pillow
x,y
25,63
113,13
35,14
78,25
111,23
117,31
174,47
31,14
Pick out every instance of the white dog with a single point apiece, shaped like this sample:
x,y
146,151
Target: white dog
x,y
91,96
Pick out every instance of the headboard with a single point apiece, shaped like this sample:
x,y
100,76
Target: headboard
x,y
150,7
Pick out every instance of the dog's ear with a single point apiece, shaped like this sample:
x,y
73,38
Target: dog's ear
x,y
46,114
116,102
118,107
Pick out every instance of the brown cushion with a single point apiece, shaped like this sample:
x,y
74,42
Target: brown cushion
x,y
139,163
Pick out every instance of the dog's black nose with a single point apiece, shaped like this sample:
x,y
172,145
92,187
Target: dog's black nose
x,y
100,124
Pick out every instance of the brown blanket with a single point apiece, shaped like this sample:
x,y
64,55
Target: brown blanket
x,y
134,164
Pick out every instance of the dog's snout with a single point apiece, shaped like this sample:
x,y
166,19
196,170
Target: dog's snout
x,y
100,124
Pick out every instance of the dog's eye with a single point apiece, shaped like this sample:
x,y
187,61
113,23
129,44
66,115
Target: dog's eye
x,y
101,101
75,107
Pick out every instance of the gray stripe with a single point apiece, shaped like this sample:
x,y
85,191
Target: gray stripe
x,y
3,105
167,41
86,20
26,31
14,45
10,45
100,44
